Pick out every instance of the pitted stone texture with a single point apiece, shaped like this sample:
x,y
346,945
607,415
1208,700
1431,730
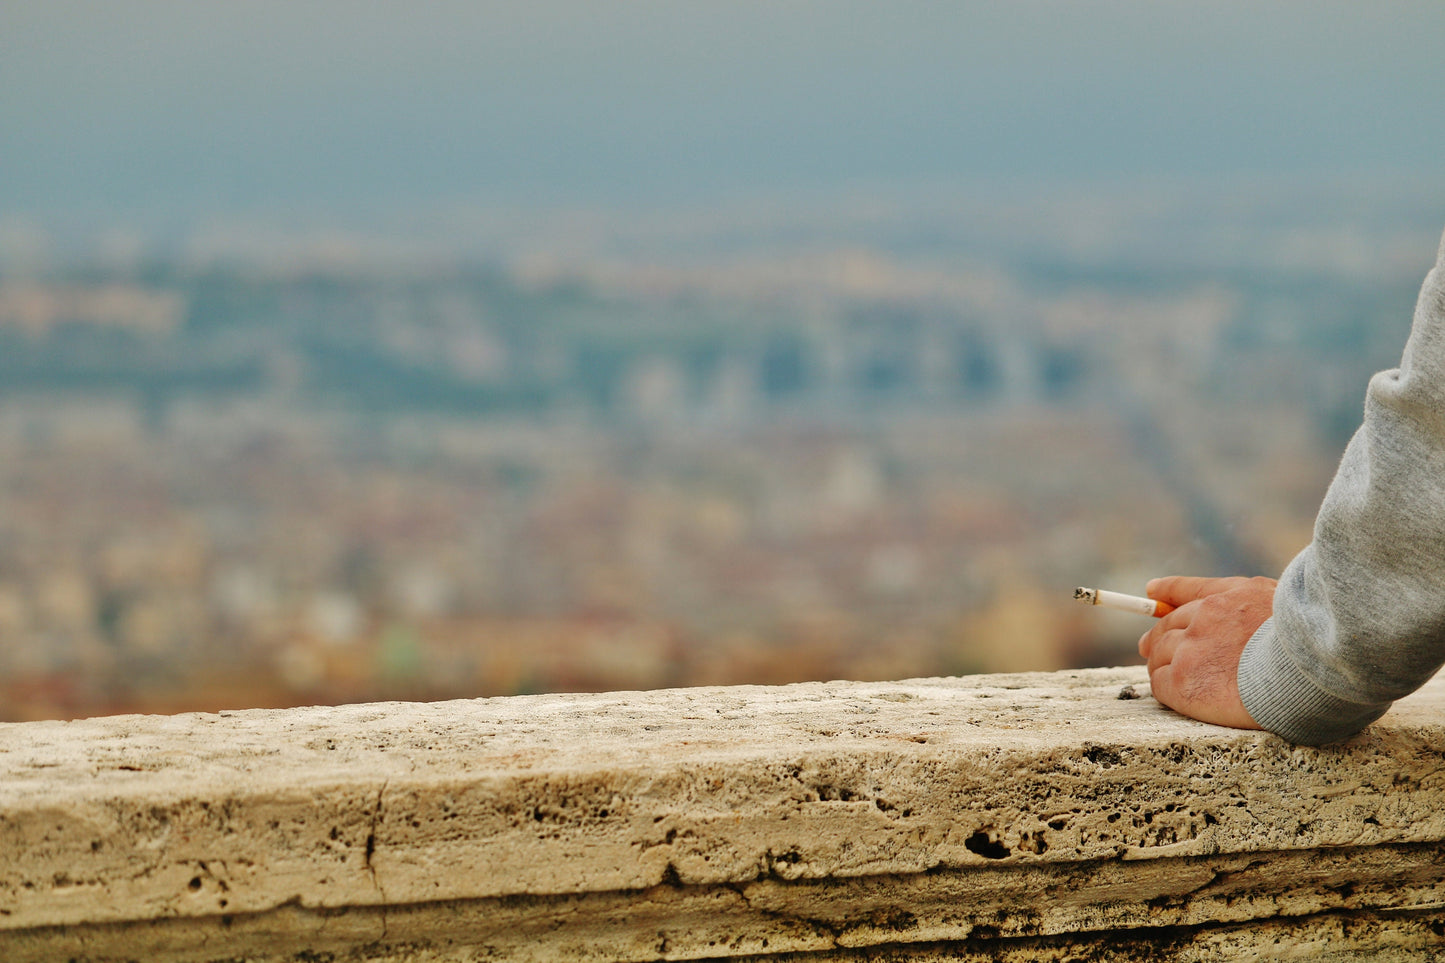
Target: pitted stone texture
x,y
1004,908
1357,938
724,795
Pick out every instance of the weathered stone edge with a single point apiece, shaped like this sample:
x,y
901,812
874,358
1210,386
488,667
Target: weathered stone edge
x,y
863,798
1006,908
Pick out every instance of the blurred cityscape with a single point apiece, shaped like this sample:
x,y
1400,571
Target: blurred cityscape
x,y
877,440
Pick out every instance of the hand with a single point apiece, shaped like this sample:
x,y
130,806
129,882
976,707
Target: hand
x,y
1194,651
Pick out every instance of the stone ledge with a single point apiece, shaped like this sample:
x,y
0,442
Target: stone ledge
x,y
698,823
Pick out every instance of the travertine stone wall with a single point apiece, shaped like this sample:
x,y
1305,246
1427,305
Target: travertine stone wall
x,y
1025,817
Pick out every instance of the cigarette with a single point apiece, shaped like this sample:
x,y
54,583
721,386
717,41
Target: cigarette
x,y
1118,600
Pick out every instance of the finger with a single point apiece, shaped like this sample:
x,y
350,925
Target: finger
x,y
1180,618
1163,624
1165,649
1176,590
1162,685
1149,639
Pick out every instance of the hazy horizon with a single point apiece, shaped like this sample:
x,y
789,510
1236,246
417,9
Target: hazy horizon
x,y
158,113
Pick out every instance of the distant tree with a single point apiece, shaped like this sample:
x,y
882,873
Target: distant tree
x,y
980,374
785,369
1062,371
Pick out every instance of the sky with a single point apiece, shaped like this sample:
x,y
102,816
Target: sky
x,y
148,108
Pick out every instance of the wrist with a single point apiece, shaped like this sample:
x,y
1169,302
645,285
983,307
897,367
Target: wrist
x,y
1282,697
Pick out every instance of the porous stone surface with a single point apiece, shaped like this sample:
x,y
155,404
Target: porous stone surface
x,y
987,815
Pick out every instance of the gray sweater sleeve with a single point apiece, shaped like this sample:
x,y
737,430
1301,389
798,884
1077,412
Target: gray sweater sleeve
x,y
1359,615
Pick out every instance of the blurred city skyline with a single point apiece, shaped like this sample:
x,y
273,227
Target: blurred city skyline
x,y
355,351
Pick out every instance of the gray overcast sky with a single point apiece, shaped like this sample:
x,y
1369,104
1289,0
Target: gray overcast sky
x,y
198,106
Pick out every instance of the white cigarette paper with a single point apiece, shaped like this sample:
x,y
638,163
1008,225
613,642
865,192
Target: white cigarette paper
x,y
1125,603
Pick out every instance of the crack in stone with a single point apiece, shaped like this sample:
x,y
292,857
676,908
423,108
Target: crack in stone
x,y
831,931
1222,878
376,815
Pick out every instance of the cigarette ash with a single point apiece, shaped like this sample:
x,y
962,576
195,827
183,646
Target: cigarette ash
x,y
1086,595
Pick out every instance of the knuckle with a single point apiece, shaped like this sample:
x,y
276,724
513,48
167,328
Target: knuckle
x,y
1212,604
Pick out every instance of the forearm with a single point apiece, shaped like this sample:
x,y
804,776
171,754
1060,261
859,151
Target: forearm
x,y
1359,615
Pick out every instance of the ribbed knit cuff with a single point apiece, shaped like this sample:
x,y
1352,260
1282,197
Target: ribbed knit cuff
x,y
1279,696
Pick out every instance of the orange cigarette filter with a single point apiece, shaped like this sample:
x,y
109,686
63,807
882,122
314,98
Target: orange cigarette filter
x,y
1137,604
